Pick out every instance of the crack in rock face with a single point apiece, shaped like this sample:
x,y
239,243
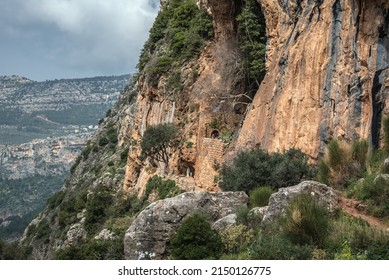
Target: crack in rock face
x,y
332,82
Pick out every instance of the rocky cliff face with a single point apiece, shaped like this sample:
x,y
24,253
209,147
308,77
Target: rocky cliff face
x,y
212,85
327,65
327,75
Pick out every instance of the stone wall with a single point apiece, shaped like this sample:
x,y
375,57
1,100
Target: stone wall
x,y
210,154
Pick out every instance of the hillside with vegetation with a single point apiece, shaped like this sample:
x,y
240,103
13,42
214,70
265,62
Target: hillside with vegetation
x,y
250,132
43,128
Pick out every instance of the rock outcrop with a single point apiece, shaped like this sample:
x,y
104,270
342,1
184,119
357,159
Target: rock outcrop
x,y
327,75
148,235
280,200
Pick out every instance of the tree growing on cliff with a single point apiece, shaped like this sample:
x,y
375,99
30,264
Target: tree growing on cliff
x,y
252,42
159,141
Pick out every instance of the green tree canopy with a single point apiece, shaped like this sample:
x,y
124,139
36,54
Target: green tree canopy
x,y
159,140
196,240
256,167
252,42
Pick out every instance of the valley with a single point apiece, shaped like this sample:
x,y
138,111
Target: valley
x,y
43,128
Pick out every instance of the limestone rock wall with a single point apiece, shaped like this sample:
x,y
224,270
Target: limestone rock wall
x,y
208,96
327,75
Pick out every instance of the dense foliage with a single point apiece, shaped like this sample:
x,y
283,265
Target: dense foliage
x,y
307,231
306,222
182,29
162,188
158,141
255,168
97,207
252,42
196,240
12,251
259,196
93,249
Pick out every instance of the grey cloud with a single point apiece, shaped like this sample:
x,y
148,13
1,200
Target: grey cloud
x,y
73,37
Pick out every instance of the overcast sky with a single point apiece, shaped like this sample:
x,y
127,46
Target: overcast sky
x,y
53,39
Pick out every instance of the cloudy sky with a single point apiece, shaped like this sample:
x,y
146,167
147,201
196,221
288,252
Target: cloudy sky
x,y
53,39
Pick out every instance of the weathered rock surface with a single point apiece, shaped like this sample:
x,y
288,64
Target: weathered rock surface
x,y
106,234
258,212
280,200
327,75
74,235
148,235
208,96
224,222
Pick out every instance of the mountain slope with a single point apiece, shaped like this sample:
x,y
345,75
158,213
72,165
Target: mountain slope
x,y
319,84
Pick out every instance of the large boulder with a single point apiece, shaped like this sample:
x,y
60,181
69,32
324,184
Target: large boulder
x,y
148,235
280,200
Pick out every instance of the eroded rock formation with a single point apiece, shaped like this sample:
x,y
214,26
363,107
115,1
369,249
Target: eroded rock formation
x,y
149,234
279,201
327,75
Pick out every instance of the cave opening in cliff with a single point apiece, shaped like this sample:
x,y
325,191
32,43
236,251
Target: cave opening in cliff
x,y
186,168
252,40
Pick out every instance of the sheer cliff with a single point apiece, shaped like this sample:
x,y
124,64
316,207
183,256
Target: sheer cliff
x,y
326,76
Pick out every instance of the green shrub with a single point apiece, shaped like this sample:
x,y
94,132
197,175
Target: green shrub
x,y
375,161
276,247
93,249
174,83
236,238
103,141
343,163
242,216
111,133
124,155
97,207
13,251
67,211
163,188
323,173
306,222
374,191
161,66
346,253
55,199
360,149
335,154
43,231
87,150
256,167
260,196
195,240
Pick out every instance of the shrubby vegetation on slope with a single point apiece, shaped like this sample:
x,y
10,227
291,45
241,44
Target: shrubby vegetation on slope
x,y
359,172
182,28
256,168
195,240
